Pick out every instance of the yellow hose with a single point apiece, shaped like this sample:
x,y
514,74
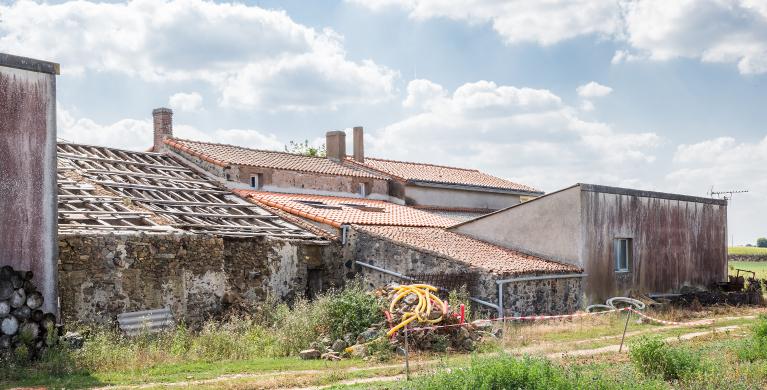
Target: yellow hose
x,y
422,310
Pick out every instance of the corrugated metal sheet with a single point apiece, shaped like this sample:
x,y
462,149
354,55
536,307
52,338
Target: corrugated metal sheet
x,y
147,321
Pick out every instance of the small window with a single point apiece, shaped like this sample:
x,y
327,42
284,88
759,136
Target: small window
x,y
256,181
623,251
363,189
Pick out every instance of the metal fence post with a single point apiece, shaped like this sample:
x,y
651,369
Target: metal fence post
x,y
620,349
407,357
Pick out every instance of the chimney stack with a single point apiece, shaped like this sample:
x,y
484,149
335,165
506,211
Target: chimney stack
x,y
163,126
335,145
359,145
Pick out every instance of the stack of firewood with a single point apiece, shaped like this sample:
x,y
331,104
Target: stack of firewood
x,y
22,322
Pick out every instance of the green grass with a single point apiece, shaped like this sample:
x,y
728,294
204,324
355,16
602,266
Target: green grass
x,y
760,267
746,250
173,372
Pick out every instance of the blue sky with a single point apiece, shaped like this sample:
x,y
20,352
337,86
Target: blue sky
x,y
671,93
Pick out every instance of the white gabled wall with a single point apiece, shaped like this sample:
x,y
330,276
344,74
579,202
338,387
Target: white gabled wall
x,y
548,226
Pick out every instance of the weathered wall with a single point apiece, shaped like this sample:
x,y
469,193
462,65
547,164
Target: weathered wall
x,y
28,171
446,197
548,226
104,275
675,243
521,298
286,180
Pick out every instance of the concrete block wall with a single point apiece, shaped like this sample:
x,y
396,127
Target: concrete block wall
x,y
28,170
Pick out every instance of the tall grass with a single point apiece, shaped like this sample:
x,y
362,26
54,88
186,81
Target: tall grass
x,y
655,358
280,330
754,348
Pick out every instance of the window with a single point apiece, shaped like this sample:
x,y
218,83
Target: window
x,y
364,189
256,180
623,251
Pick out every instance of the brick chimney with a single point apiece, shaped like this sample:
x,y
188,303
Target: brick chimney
x,y
163,126
359,144
335,145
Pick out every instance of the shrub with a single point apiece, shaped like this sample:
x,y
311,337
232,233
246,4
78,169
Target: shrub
x,y
653,357
352,310
500,372
459,297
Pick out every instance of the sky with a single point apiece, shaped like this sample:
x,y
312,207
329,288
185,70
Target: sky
x,y
647,94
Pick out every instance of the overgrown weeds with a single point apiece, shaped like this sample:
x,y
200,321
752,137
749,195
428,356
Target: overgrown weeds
x,y
654,357
755,347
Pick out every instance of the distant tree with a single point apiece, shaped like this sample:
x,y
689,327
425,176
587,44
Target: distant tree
x,y
761,242
303,148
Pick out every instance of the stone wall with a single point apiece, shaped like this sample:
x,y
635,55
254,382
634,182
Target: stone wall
x,y
555,296
103,275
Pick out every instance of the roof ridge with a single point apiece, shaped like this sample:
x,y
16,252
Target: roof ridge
x,y
283,194
419,163
247,148
111,148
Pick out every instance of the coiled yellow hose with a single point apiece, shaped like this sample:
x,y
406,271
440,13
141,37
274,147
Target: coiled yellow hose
x,y
422,311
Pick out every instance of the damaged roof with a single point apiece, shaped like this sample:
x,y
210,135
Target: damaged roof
x,y
103,189
336,211
425,174
225,155
444,243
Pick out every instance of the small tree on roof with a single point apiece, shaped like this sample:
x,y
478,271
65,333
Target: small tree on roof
x,y
304,149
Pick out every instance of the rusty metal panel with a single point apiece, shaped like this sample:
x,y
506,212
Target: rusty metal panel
x,y
28,170
677,241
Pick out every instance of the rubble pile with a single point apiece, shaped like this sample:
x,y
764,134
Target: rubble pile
x,y
440,330
23,325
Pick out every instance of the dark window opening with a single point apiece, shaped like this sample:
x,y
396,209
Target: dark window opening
x,y
623,251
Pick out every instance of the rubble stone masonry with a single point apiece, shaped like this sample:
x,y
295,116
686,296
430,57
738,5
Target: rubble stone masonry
x,y
103,275
554,296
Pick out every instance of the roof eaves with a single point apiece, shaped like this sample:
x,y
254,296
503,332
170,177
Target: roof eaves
x,y
294,211
473,187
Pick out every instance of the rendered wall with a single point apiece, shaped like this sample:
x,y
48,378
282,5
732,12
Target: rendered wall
x,y
28,170
676,243
447,197
548,226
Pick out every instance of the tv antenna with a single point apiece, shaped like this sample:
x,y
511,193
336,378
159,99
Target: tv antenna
x,y
726,195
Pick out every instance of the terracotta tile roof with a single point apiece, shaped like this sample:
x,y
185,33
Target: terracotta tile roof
x,y
442,174
477,253
336,211
224,155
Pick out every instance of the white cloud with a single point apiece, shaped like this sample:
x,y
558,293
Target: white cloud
x,y
521,133
587,106
726,164
727,31
593,89
185,101
137,134
542,22
256,58
723,31
422,93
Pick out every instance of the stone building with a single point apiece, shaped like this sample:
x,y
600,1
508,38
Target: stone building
x,y
388,242
142,231
458,193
